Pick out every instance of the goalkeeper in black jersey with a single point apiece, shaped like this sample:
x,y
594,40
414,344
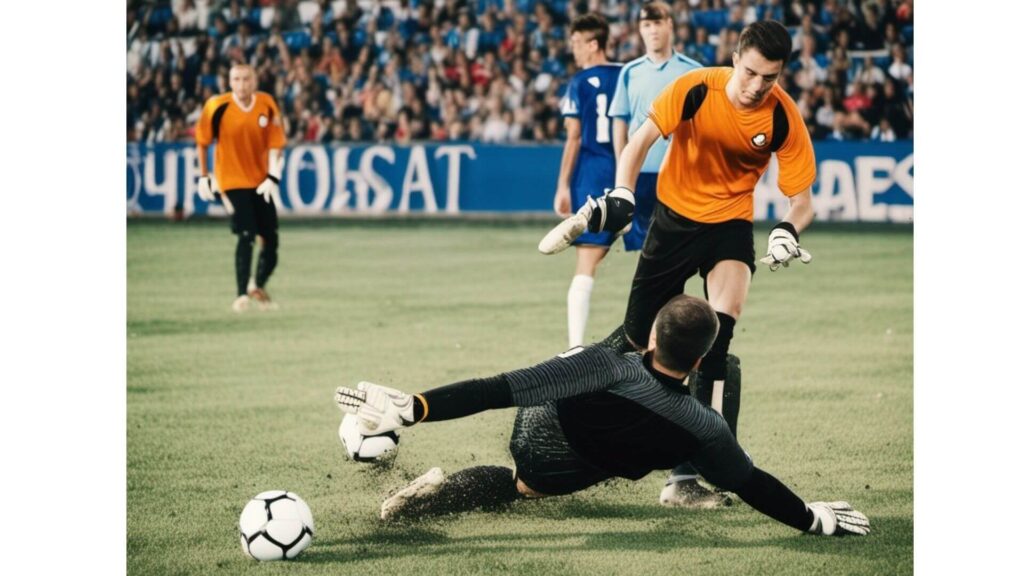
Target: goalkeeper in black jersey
x,y
588,415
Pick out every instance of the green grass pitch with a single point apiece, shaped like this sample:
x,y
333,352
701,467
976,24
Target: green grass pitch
x,y
222,406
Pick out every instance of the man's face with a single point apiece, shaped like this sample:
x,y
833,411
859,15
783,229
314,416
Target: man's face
x,y
657,34
583,46
243,82
754,76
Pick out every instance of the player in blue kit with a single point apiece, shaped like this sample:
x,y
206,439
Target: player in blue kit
x,y
640,82
588,160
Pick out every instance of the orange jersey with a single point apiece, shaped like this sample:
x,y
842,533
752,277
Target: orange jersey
x,y
716,157
243,137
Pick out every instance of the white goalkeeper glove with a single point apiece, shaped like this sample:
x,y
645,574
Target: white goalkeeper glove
x,y
783,246
270,187
837,519
612,212
207,188
380,409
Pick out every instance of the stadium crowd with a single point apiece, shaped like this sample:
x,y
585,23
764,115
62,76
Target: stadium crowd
x,y
487,70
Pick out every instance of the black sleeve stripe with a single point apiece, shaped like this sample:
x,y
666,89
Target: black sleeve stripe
x,y
217,115
694,99
780,127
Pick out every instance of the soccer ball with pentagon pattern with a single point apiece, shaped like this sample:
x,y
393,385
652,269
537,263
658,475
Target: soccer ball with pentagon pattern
x,y
378,448
275,525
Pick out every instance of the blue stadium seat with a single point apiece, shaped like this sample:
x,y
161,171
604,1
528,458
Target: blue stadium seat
x,y
776,12
908,34
297,40
712,20
253,18
159,18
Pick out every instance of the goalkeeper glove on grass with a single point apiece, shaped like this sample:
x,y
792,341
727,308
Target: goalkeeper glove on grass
x,y
837,519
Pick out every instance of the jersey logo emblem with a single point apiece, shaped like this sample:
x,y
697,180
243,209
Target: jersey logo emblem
x,y
759,140
263,121
594,81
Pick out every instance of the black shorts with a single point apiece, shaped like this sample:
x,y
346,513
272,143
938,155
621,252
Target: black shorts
x,y
677,248
544,460
252,213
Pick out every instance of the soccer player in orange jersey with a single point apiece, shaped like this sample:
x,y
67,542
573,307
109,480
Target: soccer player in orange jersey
x,y
725,124
247,164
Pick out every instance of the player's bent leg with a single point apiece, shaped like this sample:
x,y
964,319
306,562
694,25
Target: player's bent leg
x,y
727,286
722,395
479,487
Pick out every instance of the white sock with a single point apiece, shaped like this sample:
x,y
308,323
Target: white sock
x,y
579,307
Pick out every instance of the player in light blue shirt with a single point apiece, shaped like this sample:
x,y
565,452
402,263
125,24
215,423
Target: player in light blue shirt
x,y
588,159
639,84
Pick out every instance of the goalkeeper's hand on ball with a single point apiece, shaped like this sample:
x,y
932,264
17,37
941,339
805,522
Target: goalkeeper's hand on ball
x,y
837,519
207,187
783,246
380,409
612,212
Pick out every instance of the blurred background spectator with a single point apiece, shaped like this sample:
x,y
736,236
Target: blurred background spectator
x,y
400,71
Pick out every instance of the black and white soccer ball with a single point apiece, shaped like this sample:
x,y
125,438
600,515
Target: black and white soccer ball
x,y
366,448
275,525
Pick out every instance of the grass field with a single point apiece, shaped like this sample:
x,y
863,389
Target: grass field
x,y
222,406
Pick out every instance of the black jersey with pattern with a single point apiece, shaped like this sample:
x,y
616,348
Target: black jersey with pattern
x,y
623,417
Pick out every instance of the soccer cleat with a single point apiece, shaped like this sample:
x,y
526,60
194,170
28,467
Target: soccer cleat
x,y
262,299
690,494
241,304
425,485
566,232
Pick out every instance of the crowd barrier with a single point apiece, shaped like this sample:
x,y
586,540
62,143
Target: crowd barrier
x,y
857,181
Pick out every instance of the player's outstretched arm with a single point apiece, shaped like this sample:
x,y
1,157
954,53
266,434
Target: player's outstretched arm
x,y
771,497
381,409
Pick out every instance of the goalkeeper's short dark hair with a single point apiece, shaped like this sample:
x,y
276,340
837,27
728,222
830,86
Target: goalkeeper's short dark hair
x,y
768,37
685,328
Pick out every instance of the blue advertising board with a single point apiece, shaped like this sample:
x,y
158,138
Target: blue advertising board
x,y
857,181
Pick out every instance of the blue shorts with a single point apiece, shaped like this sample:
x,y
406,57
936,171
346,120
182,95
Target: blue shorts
x,y
588,238
646,193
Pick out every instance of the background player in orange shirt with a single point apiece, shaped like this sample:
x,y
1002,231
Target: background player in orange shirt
x,y
725,123
247,161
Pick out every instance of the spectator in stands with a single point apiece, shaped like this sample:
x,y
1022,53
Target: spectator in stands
x,y
339,58
883,132
899,69
870,34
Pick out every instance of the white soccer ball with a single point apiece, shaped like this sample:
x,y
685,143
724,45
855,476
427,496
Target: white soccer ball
x,y
365,448
275,525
